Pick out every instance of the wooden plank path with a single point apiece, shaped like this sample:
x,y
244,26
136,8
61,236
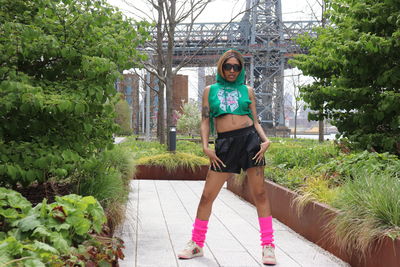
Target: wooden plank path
x,y
159,221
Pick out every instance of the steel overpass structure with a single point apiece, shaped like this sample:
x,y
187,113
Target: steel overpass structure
x,y
266,42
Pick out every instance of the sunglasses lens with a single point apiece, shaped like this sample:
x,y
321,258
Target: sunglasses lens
x,y
236,67
227,66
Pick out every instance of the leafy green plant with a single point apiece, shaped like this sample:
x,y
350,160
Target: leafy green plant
x,y
290,178
349,165
369,208
171,161
122,159
143,148
103,183
300,154
63,233
59,61
316,188
189,119
354,62
13,206
123,117
363,186
107,178
190,147
291,161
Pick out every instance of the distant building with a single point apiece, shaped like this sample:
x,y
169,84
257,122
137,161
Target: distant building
x,y
181,92
129,89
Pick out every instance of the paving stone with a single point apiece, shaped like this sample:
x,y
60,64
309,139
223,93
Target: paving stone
x,y
159,221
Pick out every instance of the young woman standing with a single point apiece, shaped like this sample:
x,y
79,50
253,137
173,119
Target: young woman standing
x,y
240,144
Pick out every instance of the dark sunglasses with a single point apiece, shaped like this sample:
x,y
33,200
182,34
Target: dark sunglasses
x,y
228,67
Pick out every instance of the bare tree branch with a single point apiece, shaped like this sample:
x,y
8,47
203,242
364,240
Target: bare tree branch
x,y
146,14
153,70
188,59
313,13
144,80
167,14
195,6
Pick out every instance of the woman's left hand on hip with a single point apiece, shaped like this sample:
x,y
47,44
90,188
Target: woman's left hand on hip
x,y
260,154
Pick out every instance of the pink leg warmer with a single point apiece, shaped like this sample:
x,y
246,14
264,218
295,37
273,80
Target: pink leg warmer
x,y
199,232
267,237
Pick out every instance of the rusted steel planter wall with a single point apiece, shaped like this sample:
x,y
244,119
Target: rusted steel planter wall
x,y
311,224
160,173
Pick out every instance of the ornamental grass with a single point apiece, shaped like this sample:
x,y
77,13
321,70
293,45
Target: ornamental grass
x,y
172,161
369,210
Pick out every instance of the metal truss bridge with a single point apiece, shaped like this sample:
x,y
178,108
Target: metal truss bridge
x,y
266,42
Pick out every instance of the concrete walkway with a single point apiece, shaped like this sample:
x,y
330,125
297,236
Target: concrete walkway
x,y
118,140
159,221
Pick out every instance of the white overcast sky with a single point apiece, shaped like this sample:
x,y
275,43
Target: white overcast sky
x,y
223,11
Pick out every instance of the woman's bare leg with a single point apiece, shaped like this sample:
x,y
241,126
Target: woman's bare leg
x,y
214,183
255,179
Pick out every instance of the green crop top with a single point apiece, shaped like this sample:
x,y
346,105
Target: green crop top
x,y
229,98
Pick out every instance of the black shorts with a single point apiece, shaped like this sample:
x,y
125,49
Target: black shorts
x,y
237,148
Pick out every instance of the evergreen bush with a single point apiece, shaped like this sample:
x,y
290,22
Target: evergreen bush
x,y
355,60
123,118
59,61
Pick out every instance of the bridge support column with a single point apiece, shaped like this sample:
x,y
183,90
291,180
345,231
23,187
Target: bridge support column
x,y
201,82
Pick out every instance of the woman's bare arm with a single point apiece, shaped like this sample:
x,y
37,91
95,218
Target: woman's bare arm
x,y
205,119
205,131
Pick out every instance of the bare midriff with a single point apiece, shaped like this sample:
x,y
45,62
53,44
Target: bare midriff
x,y
230,122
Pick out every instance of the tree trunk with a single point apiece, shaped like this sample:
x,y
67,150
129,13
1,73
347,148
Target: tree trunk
x,y
321,130
169,96
321,122
168,65
160,115
160,72
295,124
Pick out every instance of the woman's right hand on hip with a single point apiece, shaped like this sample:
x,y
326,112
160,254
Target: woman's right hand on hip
x,y
214,160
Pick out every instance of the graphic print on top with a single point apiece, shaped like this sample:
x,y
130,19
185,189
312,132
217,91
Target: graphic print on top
x,y
228,99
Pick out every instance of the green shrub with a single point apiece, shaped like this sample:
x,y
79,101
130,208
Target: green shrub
x,y
190,118
363,186
57,83
290,178
301,154
190,147
105,185
316,188
123,117
369,208
291,161
143,148
107,178
13,206
121,159
56,234
349,165
172,161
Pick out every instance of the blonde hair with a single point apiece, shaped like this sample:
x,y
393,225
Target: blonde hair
x,y
227,55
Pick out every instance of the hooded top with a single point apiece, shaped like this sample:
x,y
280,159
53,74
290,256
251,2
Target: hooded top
x,y
229,98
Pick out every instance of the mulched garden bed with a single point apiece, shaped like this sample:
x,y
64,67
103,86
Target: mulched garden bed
x,y
35,193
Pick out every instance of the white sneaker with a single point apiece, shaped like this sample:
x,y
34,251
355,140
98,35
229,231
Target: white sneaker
x,y
268,255
192,250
